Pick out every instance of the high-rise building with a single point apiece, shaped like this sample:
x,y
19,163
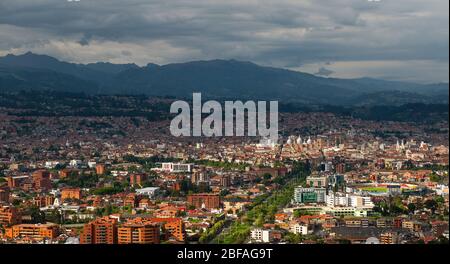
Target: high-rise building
x,y
340,168
173,227
138,231
4,193
138,179
225,181
100,231
100,169
41,180
199,176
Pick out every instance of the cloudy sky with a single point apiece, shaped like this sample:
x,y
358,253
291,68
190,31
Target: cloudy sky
x,y
390,39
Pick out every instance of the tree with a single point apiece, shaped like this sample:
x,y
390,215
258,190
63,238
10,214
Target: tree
x,y
37,216
435,178
259,222
432,205
344,241
440,200
267,176
293,238
181,214
108,210
411,207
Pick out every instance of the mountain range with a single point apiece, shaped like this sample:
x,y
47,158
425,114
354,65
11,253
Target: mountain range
x,y
216,79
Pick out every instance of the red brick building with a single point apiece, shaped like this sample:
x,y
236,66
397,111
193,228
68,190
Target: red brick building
x,y
204,200
33,231
9,216
100,169
41,180
138,179
71,193
4,193
100,231
173,227
138,231
42,201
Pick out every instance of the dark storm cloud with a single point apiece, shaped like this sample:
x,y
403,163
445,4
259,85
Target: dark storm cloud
x,y
282,33
84,41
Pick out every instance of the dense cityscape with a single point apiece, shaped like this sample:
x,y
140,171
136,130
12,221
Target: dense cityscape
x,y
76,178
237,131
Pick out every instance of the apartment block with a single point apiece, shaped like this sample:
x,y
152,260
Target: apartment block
x,y
138,179
70,193
139,231
9,216
41,180
173,227
100,231
34,231
204,200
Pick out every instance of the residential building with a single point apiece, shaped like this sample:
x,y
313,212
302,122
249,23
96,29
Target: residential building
x,y
70,193
9,215
260,235
34,231
138,231
41,180
204,200
389,238
138,179
100,231
299,228
173,227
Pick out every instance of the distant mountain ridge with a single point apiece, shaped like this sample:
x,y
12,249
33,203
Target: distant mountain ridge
x,y
214,79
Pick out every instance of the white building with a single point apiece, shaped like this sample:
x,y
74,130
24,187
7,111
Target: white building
x,y
75,163
260,235
299,229
149,191
442,189
91,164
116,173
51,164
337,199
176,167
351,200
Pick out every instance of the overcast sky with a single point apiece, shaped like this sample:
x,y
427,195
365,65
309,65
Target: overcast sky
x,y
391,39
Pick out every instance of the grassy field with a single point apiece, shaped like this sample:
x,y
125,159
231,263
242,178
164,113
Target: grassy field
x,y
375,189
